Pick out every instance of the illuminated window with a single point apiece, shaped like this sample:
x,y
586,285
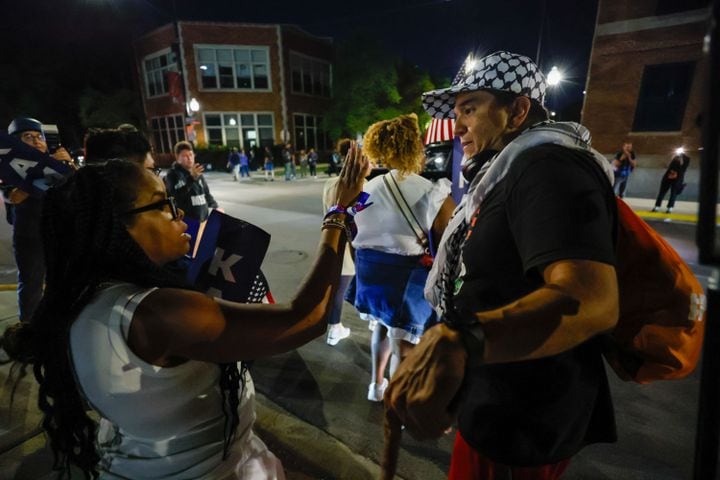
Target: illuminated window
x,y
240,129
234,68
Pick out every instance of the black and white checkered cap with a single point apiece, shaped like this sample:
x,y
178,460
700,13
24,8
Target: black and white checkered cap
x,y
503,71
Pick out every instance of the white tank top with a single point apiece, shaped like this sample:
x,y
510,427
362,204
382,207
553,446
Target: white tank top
x,y
158,422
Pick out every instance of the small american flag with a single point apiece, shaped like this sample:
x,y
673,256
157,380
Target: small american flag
x,y
260,290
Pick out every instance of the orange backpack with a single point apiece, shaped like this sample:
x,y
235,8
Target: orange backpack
x,y
659,334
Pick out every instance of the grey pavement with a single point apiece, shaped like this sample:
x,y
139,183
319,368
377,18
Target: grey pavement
x,y
311,404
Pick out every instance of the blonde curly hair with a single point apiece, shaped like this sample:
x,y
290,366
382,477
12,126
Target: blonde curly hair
x,y
396,143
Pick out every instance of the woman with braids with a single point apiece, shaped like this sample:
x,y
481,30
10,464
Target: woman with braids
x,y
390,274
117,333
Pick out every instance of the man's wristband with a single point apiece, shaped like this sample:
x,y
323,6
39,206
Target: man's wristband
x,y
471,332
473,339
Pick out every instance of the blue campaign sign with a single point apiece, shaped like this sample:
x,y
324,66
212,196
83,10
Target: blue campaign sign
x,y
27,168
228,259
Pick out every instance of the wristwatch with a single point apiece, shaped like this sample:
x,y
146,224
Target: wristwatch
x,y
471,332
473,338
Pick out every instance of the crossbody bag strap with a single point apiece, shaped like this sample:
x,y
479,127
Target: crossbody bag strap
x,y
402,204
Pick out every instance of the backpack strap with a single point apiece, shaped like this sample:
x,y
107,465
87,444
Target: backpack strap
x,y
402,204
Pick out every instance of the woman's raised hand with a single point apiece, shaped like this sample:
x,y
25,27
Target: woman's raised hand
x,y
352,176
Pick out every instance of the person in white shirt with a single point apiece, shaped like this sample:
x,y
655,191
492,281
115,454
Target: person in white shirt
x,y
118,333
390,274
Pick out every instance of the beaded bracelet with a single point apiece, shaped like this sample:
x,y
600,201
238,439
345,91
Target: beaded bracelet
x,y
339,224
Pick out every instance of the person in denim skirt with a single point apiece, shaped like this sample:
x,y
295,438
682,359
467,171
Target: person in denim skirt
x,y
389,275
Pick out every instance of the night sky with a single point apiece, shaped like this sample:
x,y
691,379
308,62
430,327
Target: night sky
x,y
88,42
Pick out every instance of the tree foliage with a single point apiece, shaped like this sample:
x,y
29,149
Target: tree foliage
x,y
369,85
108,110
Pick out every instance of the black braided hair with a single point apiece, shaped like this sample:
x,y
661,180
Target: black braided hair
x,y
86,243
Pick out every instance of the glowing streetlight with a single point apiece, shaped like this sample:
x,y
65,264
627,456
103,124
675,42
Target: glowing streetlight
x,y
194,105
554,77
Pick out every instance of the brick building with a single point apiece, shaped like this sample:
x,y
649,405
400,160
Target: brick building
x,y
646,84
253,84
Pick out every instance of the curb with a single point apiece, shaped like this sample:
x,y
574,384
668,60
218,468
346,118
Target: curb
x,y
312,449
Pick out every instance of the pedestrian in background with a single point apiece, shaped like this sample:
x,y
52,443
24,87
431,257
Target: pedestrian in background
x,y
287,156
24,212
268,165
673,179
336,330
186,183
312,159
303,160
244,164
233,163
623,165
390,272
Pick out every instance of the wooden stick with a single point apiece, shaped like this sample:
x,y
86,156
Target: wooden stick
x,y
393,434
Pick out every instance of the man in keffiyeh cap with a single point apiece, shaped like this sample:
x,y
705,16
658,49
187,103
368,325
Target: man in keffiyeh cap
x,y
525,281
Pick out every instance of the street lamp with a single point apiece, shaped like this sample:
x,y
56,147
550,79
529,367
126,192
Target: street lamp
x,y
194,105
554,77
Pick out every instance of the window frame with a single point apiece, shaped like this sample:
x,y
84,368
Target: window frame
x,y
642,103
297,58
240,127
173,67
166,132
233,48
315,127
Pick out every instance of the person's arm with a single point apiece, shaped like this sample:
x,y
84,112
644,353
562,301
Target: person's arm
x,y
172,179
578,301
174,323
441,219
180,324
212,203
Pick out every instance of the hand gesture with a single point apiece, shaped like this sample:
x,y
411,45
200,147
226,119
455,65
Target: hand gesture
x,y
63,155
352,176
423,393
196,171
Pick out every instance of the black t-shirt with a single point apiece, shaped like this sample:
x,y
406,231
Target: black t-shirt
x,y
554,204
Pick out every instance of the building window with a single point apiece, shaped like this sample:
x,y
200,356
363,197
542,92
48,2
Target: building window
x,y
234,68
240,129
663,96
167,131
309,132
310,76
156,67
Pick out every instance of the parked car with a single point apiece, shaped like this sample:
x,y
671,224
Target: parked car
x,y
438,161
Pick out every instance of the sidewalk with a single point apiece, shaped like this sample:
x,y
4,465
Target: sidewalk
x,y
307,451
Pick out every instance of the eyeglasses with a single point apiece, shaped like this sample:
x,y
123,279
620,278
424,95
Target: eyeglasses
x,y
31,137
159,205
155,170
